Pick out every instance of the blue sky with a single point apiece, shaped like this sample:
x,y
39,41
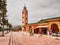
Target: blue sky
x,y
37,9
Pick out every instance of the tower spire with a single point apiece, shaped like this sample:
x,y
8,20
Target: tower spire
x,y
24,2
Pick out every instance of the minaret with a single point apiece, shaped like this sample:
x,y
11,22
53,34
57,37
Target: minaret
x,y
24,16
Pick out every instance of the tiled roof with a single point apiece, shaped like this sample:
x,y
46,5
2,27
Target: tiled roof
x,y
45,20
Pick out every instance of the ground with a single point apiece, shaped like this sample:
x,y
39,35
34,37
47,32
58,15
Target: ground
x,y
23,38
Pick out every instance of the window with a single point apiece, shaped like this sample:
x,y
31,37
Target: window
x,y
26,23
22,17
23,12
22,22
26,18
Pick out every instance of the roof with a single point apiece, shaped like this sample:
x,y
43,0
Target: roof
x,y
42,21
53,18
45,20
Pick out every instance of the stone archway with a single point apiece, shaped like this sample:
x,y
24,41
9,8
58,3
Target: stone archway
x,y
54,28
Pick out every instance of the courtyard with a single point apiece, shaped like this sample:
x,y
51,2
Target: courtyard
x,y
24,38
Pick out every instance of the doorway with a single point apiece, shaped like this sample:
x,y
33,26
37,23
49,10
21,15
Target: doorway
x,y
54,28
44,30
36,30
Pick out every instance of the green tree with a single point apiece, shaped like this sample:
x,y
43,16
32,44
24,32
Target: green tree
x,y
3,9
10,26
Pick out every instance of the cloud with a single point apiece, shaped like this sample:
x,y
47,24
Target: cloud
x,y
37,9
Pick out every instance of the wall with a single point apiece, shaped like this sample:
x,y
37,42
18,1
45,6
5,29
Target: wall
x,y
53,22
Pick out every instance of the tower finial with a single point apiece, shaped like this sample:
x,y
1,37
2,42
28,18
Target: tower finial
x,y
24,5
24,2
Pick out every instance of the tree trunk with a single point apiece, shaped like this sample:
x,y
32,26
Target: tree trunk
x,y
7,29
3,30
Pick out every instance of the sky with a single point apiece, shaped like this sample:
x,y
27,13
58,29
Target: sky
x,y
37,10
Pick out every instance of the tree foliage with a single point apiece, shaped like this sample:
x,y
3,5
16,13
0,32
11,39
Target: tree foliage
x,y
3,11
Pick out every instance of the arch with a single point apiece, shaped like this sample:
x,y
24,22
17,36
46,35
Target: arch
x,y
54,28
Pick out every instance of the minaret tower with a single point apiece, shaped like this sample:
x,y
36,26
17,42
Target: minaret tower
x,y
24,16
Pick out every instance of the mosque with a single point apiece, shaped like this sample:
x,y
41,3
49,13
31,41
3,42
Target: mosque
x,y
42,26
